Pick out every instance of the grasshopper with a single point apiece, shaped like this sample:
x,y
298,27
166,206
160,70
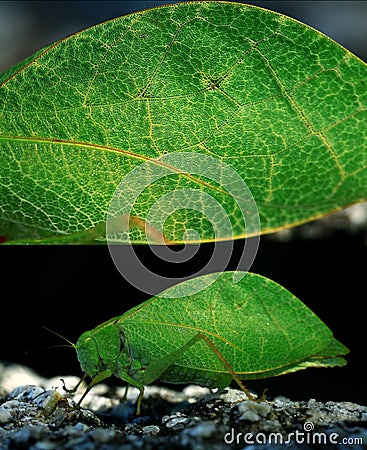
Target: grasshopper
x,y
248,330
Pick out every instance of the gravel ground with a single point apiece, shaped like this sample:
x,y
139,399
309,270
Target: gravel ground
x,y
35,414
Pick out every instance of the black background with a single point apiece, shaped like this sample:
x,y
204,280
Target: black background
x,y
72,289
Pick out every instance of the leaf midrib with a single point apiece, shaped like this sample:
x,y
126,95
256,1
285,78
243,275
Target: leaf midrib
x,y
111,149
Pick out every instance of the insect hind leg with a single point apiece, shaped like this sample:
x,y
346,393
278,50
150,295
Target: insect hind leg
x,y
154,371
219,355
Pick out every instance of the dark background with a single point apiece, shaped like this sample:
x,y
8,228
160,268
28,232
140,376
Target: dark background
x,y
72,289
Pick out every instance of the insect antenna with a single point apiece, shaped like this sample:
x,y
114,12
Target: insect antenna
x,y
69,343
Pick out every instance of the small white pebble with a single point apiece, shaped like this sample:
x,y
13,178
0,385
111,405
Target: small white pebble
x,y
177,423
27,392
81,426
233,395
250,416
312,402
44,445
151,430
195,391
203,430
253,411
5,415
101,435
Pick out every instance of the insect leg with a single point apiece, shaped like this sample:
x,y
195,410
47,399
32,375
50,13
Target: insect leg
x,y
214,349
97,379
154,371
125,393
75,388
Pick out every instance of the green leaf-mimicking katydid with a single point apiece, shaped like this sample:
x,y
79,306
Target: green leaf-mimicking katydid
x,y
230,331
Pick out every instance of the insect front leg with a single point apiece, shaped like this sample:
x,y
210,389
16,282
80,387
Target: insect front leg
x,y
75,388
97,379
124,376
154,371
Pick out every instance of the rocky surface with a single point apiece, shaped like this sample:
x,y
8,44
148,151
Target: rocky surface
x,y
36,414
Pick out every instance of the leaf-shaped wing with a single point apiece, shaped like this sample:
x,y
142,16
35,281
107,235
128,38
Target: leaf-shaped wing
x,y
259,327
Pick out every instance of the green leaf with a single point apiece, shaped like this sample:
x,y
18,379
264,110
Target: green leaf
x,y
259,327
277,101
